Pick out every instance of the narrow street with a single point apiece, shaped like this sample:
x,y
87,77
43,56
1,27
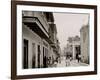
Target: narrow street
x,y
73,63
76,63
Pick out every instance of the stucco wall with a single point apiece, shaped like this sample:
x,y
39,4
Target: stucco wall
x,y
84,34
32,38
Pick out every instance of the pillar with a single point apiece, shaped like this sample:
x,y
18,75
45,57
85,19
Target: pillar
x,y
73,51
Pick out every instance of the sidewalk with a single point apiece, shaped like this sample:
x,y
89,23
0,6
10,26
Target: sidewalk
x,y
76,63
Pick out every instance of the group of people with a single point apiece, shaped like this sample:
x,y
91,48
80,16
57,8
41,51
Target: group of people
x,y
69,59
51,62
61,61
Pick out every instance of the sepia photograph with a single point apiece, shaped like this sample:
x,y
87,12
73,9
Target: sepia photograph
x,y
55,39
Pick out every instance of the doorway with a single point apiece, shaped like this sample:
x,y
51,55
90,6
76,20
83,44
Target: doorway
x,y
38,56
25,54
33,56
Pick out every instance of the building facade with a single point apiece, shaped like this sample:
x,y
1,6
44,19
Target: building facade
x,y
84,39
39,36
73,47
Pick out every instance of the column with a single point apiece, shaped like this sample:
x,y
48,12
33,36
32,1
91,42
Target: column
x,y
73,51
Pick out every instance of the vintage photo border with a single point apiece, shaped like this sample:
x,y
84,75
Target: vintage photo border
x,y
14,39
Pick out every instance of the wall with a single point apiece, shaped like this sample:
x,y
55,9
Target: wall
x,y
32,38
84,38
5,40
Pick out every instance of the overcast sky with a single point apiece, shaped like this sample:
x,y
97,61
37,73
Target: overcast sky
x,y
68,25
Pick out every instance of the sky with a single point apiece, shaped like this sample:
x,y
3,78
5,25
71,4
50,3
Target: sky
x,y
69,25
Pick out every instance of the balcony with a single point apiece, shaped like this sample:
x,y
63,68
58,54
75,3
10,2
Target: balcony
x,y
39,15
37,22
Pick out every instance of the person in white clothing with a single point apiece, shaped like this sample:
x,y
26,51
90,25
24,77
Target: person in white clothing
x,y
67,61
79,57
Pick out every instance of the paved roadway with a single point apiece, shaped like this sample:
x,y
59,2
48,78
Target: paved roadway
x,y
70,63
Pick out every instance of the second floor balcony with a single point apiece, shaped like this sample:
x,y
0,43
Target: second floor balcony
x,y
38,18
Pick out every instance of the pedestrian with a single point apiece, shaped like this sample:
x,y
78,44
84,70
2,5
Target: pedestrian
x,y
79,58
67,61
55,63
70,58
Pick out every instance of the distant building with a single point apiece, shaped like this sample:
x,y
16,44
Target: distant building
x,y
73,47
39,39
84,39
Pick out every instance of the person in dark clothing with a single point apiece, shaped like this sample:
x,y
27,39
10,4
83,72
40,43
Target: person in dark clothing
x,y
77,57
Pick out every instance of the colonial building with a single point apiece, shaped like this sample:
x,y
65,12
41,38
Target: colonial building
x,y
39,39
84,39
73,47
